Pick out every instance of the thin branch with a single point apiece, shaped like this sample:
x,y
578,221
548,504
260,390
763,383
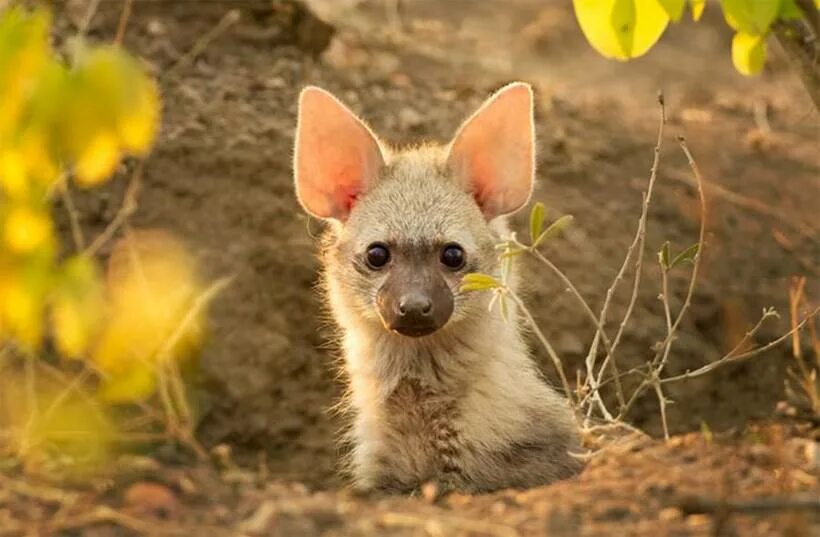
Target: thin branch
x,y
708,368
802,52
89,16
545,343
127,208
127,7
73,215
637,244
229,19
584,305
658,363
662,405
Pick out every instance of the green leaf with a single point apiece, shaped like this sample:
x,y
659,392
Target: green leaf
x,y
478,282
750,16
673,8
663,256
697,8
748,53
536,221
687,255
621,29
789,10
554,229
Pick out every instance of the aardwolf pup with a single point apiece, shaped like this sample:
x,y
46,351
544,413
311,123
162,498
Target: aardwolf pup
x,y
441,388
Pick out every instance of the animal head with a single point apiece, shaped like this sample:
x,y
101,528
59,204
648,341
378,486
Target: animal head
x,y
406,225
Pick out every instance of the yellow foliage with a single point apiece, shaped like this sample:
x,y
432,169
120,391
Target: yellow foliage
x,y
152,285
697,8
13,173
21,308
97,159
748,53
621,29
26,230
78,307
138,126
54,419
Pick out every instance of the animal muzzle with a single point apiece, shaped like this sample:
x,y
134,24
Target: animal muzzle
x,y
414,304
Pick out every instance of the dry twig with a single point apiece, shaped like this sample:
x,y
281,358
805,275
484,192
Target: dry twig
x,y
638,242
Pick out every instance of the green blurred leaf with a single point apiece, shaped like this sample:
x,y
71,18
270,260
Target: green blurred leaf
x,y
536,221
687,255
673,8
750,16
621,29
554,229
663,256
477,282
748,53
789,10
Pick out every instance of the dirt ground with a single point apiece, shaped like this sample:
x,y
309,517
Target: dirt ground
x,y
220,178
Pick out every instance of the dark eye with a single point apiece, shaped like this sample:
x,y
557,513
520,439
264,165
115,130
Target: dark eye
x,y
452,256
377,255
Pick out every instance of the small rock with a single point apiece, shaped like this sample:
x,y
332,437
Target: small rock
x,y
151,499
155,28
430,492
669,514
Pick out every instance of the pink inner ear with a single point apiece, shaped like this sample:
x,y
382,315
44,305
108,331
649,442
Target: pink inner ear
x,y
493,152
337,157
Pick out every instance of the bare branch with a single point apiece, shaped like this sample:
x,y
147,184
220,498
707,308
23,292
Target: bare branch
x,y
637,245
708,368
545,343
658,363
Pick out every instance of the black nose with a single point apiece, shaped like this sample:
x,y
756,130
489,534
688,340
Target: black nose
x,y
415,305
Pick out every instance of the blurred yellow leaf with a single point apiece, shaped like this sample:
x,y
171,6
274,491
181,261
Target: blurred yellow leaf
x,y
153,285
13,173
63,421
133,383
697,8
26,230
621,29
748,53
673,8
98,159
78,307
23,51
21,310
138,126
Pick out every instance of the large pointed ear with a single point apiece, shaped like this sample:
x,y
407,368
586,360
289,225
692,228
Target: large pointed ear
x,y
336,158
493,153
